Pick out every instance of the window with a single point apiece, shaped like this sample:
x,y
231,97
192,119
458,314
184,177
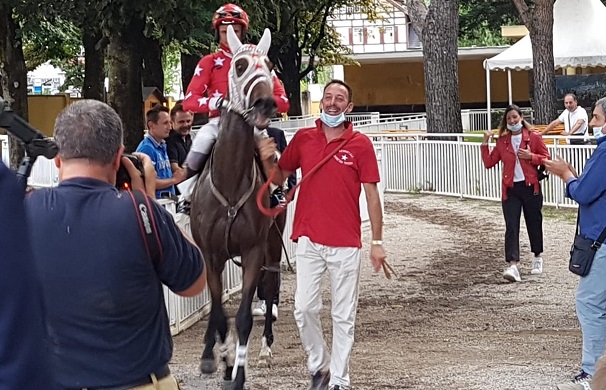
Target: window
x,y
373,35
388,35
358,36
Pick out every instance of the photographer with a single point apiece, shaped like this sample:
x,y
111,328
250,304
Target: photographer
x,y
102,284
23,349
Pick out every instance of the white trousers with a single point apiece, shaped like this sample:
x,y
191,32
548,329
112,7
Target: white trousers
x,y
205,137
343,265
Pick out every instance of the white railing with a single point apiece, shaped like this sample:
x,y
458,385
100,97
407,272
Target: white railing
x,y
4,149
424,163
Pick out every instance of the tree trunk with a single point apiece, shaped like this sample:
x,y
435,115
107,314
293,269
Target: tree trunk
x,y
541,36
125,59
290,75
13,75
439,37
94,64
153,73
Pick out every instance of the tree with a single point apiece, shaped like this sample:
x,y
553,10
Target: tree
x,y
538,18
480,21
302,39
13,74
437,27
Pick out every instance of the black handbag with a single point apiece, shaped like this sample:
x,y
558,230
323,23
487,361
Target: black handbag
x,y
583,251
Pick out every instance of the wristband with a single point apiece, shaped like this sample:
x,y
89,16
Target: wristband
x,y
376,242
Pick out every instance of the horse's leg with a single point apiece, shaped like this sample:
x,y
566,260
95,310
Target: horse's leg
x,y
251,269
217,321
271,286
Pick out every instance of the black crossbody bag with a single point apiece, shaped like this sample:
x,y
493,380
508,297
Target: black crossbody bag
x,y
583,251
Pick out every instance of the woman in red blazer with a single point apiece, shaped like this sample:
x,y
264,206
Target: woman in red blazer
x,y
521,150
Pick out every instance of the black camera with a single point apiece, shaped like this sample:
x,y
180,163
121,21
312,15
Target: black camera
x,y
123,180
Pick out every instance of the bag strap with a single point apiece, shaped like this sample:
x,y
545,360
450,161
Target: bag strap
x,y
147,225
598,243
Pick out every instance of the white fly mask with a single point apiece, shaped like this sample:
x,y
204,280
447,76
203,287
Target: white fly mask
x,y
250,69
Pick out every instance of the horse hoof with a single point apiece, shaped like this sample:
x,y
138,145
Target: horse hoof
x,y
208,366
265,359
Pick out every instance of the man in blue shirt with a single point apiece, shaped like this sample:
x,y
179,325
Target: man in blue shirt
x,y
107,320
24,354
589,191
154,145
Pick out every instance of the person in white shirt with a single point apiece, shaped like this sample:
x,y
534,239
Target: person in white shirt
x,y
575,120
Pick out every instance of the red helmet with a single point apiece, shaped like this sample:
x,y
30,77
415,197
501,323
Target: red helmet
x,y
230,14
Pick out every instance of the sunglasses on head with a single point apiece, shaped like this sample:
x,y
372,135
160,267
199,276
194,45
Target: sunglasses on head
x,y
235,14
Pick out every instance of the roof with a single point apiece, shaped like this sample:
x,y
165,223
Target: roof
x,y
416,55
577,39
148,91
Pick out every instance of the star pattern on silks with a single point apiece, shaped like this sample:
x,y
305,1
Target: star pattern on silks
x,y
198,70
217,94
283,97
219,61
202,101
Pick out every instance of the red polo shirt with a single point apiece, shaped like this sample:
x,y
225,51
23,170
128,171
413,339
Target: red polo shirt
x,y
328,203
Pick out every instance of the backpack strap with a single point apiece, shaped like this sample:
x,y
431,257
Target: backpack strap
x,y
147,225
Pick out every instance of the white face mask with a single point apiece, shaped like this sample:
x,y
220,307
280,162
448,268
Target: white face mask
x,y
332,120
515,128
597,132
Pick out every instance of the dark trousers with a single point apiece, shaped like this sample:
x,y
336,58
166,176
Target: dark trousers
x,y
520,198
261,293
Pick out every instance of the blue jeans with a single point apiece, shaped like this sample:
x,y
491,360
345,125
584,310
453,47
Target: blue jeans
x,y
591,311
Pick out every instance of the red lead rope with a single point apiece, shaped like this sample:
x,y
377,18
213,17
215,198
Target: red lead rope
x,y
272,212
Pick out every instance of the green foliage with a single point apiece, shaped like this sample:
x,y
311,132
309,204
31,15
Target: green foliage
x,y
74,73
170,62
480,21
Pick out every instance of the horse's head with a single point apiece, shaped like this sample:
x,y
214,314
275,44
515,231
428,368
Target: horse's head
x,y
251,86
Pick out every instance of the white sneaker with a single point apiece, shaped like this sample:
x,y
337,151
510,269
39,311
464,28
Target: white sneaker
x,y
512,274
259,309
274,311
537,266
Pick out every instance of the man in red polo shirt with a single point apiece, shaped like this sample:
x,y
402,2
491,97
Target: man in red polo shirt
x,y
327,228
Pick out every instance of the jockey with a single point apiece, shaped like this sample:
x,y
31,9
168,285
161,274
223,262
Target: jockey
x,y
209,85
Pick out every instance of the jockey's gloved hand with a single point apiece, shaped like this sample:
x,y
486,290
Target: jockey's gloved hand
x,y
216,103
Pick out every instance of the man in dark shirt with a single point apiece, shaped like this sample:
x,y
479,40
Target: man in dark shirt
x,y
24,354
178,142
179,139
103,290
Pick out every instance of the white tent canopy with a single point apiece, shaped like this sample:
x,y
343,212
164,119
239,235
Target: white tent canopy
x,y
578,41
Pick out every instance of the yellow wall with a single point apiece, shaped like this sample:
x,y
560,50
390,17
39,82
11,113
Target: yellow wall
x,y
44,109
403,83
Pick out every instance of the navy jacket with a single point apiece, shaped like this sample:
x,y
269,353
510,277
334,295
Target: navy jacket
x,y
589,191
24,355
278,136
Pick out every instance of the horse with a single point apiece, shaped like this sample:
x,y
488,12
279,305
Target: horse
x,y
225,219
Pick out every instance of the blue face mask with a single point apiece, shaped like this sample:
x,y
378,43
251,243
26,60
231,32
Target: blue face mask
x,y
597,132
515,128
332,120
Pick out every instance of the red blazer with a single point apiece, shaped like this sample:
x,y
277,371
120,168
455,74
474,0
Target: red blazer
x,y
503,151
